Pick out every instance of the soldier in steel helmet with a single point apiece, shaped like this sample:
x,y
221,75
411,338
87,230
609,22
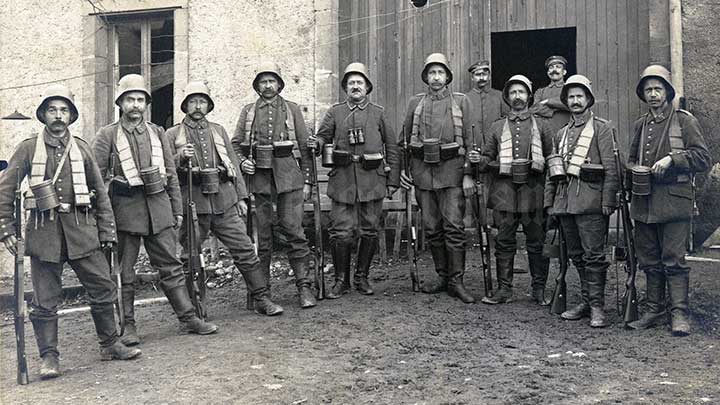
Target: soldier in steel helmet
x,y
274,122
585,199
438,126
670,142
220,206
365,171
71,229
136,158
515,153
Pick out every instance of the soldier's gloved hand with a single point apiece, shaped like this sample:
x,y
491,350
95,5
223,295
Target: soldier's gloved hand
x,y
307,192
242,208
11,244
391,190
607,211
406,181
178,221
661,166
313,143
473,156
468,186
187,152
247,166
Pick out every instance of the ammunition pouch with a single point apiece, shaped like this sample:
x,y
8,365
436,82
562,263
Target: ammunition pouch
x,y
341,158
371,161
282,149
592,172
449,150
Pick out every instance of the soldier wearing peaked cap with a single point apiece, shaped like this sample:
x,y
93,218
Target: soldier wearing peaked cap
x,y
515,153
671,145
438,125
69,224
547,99
584,200
366,170
220,200
279,135
136,158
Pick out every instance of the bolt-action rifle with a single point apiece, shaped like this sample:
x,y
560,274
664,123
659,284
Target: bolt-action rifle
x,y
111,253
559,299
481,225
410,229
19,288
251,228
319,251
196,278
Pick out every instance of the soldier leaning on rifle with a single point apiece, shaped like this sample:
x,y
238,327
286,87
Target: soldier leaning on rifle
x,y
547,99
585,200
218,191
366,170
669,144
516,151
137,159
279,136
69,221
439,124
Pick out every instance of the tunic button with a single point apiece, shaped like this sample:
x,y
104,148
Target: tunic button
x,y
60,198
59,180
59,154
650,129
59,188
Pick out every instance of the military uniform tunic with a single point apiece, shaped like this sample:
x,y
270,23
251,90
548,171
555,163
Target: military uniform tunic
x,y
557,113
352,184
137,215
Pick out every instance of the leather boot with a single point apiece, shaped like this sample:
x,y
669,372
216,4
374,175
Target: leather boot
x,y
440,258
539,266
596,291
504,266
303,281
366,251
118,351
256,284
598,318
456,286
581,310
655,298
130,336
678,286
46,336
341,262
185,311
264,267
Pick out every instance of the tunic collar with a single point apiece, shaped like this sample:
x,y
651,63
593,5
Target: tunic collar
x,y
202,123
581,120
361,106
483,90
445,92
274,103
512,115
130,127
664,114
558,84
56,141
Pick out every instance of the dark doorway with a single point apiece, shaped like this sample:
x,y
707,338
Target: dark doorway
x,y
524,52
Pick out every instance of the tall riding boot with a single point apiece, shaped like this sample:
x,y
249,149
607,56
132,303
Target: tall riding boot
x,y
303,281
185,311
46,336
264,266
366,251
581,310
130,336
539,266
655,298
456,286
257,285
341,250
678,287
440,258
110,347
504,267
596,290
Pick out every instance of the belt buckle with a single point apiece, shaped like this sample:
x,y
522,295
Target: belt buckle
x,y
63,208
356,158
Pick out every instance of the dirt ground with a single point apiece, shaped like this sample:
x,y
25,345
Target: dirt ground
x,y
396,347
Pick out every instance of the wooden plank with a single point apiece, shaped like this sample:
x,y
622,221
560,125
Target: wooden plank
x,y
531,14
623,81
633,63
601,80
612,60
560,12
541,11
581,40
591,39
570,13
499,8
486,29
345,45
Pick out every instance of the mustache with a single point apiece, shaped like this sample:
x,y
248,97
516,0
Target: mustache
x,y
575,105
519,101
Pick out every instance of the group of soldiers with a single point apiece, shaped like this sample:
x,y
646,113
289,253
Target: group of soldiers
x,y
128,187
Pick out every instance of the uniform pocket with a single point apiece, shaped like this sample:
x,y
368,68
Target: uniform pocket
x,y
684,191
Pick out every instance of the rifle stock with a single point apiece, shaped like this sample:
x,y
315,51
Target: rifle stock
x,y
112,258
19,289
482,229
559,300
319,251
196,277
250,228
629,300
410,228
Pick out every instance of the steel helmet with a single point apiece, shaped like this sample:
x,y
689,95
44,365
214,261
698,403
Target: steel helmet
x,y
436,59
522,80
656,72
359,68
272,68
132,82
578,81
57,91
197,87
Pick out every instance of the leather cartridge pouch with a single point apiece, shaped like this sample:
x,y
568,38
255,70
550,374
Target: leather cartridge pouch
x,y
416,148
449,150
341,158
592,172
283,149
371,161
